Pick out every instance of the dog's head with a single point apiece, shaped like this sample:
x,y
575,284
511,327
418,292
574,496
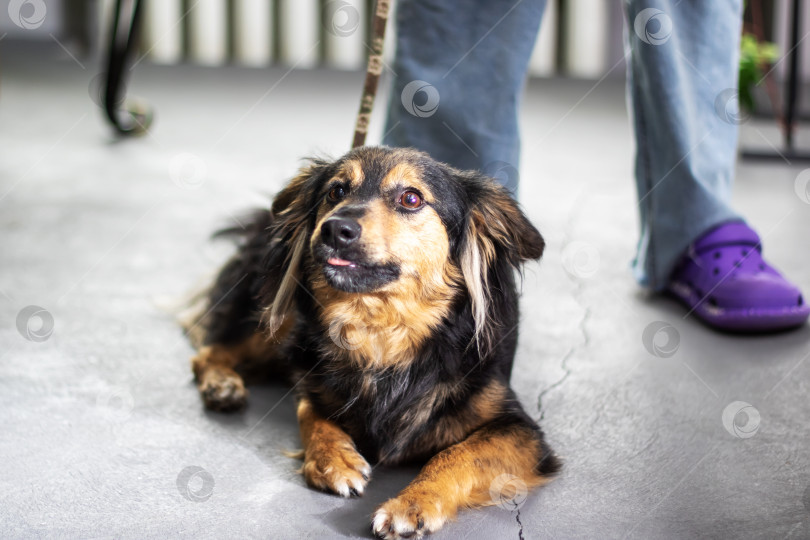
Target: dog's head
x,y
392,224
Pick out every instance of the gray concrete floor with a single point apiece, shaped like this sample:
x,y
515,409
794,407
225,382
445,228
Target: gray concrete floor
x,y
101,422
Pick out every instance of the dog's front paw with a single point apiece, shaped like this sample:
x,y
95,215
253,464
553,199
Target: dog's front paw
x,y
222,390
408,517
336,467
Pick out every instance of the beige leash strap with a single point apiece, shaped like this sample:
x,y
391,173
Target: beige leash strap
x,y
373,71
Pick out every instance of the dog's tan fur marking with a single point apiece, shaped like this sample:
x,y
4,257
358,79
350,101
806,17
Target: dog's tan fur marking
x,y
497,220
290,208
229,356
388,326
215,367
480,409
405,175
331,462
378,330
462,476
487,403
282,305
353,170
479,430
475,277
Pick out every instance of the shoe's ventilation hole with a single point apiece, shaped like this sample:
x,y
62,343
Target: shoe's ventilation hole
x,y
717,254
801,301
713,301
736,264
745,252
699,292
761,266
716,271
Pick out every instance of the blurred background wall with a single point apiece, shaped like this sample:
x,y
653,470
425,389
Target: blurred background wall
x,y
579,38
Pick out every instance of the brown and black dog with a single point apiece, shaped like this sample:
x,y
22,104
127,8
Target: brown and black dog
x,y
382,286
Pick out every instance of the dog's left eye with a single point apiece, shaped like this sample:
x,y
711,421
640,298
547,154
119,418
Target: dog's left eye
x,y
410,200
336,193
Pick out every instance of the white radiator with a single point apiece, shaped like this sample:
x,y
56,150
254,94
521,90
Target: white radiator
x,y
300,33
580,38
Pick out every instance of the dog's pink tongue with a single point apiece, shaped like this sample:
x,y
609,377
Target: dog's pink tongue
x,y
338,262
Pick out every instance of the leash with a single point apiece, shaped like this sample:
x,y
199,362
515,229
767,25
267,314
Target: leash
x,y
373,71
138,117
127,116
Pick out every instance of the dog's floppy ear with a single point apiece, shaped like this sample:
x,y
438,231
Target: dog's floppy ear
x,y
291,211
497,239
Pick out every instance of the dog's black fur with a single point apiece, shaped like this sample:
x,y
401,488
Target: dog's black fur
x,y
434,395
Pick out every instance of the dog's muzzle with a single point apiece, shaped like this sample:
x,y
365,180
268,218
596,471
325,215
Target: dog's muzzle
x,y
339,233
345,263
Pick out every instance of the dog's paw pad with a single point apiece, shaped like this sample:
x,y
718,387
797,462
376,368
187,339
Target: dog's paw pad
x,y
224,393
405,517
338,468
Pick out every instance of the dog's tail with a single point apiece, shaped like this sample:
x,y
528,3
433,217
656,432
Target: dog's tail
x,y
203,303
247,226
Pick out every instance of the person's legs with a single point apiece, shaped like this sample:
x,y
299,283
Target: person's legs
x,y
460,68
684,54
683,87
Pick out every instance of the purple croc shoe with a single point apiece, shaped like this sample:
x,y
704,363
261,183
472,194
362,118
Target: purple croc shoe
x,y
726,283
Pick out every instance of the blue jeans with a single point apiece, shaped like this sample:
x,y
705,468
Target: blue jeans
x,y
459,80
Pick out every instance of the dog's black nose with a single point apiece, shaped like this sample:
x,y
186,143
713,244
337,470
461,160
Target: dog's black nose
x,y
339,232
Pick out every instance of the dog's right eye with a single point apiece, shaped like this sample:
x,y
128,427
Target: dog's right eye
x,y
336,193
